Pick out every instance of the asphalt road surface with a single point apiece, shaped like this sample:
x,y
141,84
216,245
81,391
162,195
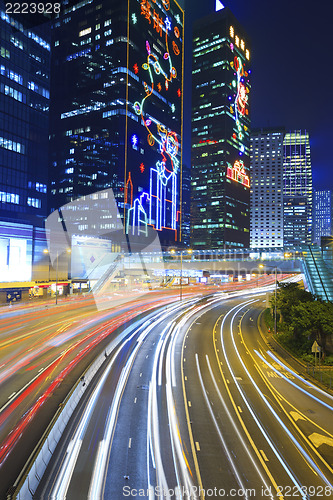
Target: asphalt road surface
x,y
192,403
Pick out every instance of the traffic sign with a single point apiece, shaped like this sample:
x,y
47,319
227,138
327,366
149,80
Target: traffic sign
x,y
315,347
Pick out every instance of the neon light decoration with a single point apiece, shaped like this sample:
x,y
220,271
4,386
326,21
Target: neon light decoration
x,y
237,173
158,204
241,98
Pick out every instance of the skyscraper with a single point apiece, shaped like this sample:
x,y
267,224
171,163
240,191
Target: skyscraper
x,y
322,214
220,192
297,193
267,188
117,101
24,106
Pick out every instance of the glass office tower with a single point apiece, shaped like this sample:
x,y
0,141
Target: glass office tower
x,y
24,106
267,188
220,191
297,195
116,112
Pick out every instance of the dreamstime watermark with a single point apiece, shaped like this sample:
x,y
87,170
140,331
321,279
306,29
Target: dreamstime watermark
x,y
87,241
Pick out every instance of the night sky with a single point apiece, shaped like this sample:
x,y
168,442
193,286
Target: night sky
x,y
292,69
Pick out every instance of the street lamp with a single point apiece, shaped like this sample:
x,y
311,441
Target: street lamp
x,y
189,251
275,296
261,266
275,301
46,252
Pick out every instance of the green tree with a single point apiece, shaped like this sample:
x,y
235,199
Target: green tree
x,y
321,314
289,295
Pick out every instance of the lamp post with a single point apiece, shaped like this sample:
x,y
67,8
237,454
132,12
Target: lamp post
x,y
275,295
45,251
261,266
189,251
275,301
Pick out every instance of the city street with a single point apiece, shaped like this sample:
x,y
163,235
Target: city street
x,y
192,401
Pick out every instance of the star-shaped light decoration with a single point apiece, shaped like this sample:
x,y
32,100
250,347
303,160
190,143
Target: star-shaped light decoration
x,y
167,23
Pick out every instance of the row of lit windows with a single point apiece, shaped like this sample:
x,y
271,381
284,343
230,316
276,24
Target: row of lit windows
x,y
15,94
9,198
16,77
38,89
34,202
11,145
20,27
42,188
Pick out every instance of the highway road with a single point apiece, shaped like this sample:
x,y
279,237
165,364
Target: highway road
x,y
44,349
194,402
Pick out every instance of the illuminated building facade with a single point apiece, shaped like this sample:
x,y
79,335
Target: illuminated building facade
x,y
322,214
267,188
24,105
220,190
297,191
117,99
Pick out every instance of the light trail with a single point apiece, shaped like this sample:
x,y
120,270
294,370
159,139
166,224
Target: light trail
x,y
326,394
240,437
264,399
224,444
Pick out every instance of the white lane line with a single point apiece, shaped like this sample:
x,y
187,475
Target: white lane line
x,y
224,445
197,445
245,444
130,442
9,397
134,400
141,374
269,406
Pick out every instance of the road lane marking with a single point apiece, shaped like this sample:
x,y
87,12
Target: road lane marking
x,y
189,427
130,442
185,377
141,374
197,445
296,416
310,463
134,400
240,409
263,455
189,403
247,433
12,395
319,439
